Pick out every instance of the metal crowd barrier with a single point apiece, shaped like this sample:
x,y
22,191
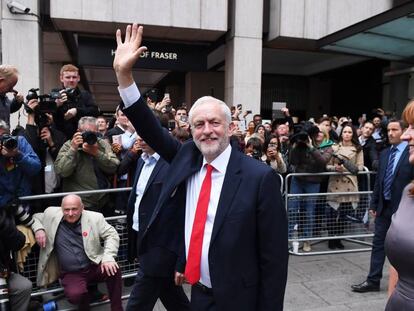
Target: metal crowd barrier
x,y
355,226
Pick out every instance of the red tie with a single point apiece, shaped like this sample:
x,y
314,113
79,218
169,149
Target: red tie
x,y
192,269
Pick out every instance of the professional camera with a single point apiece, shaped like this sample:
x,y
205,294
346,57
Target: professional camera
x,y
19,212
46,104
302,132
8,141
89,137
72,94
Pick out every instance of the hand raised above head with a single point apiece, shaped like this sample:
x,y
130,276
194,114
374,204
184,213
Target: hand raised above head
x,y
127,53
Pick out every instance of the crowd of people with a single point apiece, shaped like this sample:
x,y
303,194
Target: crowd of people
x,y
167,152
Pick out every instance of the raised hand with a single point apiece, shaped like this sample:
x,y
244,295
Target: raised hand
x,y
127,53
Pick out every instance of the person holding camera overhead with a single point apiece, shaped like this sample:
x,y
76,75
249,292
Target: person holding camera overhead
x,y
85,163
348,157
73,103
46,140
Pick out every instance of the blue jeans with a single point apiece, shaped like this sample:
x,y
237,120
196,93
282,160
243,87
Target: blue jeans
x,y
298,186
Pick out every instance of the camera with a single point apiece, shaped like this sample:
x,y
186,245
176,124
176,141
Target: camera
x,y
72,94
46,104
19,212
8,141
89,137
302,132
15,7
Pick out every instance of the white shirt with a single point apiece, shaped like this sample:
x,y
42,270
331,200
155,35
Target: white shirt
x,y
146,171
129,96
193,190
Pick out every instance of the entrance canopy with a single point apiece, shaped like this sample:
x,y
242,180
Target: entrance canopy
x,y
389,35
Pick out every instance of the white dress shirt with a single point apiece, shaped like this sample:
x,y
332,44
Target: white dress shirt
x,y
193,190
146,171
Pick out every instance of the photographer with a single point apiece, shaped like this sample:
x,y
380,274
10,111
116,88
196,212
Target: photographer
x,y
8,79
254,148
20,288
18,163
73,103
305,157
85,162
46,141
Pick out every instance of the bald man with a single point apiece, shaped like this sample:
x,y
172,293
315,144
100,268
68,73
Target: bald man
x,y
70,249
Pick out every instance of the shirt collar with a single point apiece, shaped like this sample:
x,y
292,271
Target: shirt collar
x,y
401,146
220,163
146,157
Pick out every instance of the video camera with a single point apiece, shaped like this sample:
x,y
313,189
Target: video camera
x,y
8,141
302,132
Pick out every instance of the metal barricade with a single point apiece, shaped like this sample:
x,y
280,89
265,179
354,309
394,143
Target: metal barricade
x,y
312,219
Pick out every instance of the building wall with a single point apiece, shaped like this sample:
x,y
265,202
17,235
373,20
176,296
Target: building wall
x,y
197,14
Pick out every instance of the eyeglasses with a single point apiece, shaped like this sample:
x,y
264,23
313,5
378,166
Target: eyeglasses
x,y
273,145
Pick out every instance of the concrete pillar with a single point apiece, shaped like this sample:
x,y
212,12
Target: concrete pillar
x,y
21,47
243,55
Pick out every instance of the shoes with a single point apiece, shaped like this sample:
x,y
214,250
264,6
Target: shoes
x,y
339,244
331,244
365,287
307,246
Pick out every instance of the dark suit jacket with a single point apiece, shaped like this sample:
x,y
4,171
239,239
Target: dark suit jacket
x,y
403,174
155,260
370,154
248,251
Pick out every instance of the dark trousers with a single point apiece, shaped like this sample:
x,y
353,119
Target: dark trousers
x,y
202,300
148,289
382,224
75,285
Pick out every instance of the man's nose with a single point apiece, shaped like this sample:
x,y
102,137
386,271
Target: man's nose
x,y
207,128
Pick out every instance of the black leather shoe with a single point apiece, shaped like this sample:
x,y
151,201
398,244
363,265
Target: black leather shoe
x,y
365,287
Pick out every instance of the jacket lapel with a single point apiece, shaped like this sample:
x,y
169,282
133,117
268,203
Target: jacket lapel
x,y
231,183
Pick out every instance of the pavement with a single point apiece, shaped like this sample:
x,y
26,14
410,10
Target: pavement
x,y
323,283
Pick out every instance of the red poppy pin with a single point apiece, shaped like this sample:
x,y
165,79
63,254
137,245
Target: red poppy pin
x,y
85,234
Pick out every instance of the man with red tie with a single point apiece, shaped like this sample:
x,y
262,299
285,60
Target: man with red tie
x,y
235,226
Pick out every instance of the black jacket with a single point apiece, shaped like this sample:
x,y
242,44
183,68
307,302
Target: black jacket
x,y
11,239
85,106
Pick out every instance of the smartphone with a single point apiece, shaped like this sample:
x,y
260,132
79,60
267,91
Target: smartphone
x,y
171,125
239,106
167,95
117,139
184,119
248,111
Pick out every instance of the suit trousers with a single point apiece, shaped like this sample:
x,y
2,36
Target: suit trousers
x,y
148,289
202,300
75,285
382,224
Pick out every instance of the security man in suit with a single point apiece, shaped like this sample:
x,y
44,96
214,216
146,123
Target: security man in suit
x,y
155,275
394,173
235,226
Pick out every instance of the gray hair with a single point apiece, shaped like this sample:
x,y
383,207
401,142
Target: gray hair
x,y
87,120
8,71
210,99
4,126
